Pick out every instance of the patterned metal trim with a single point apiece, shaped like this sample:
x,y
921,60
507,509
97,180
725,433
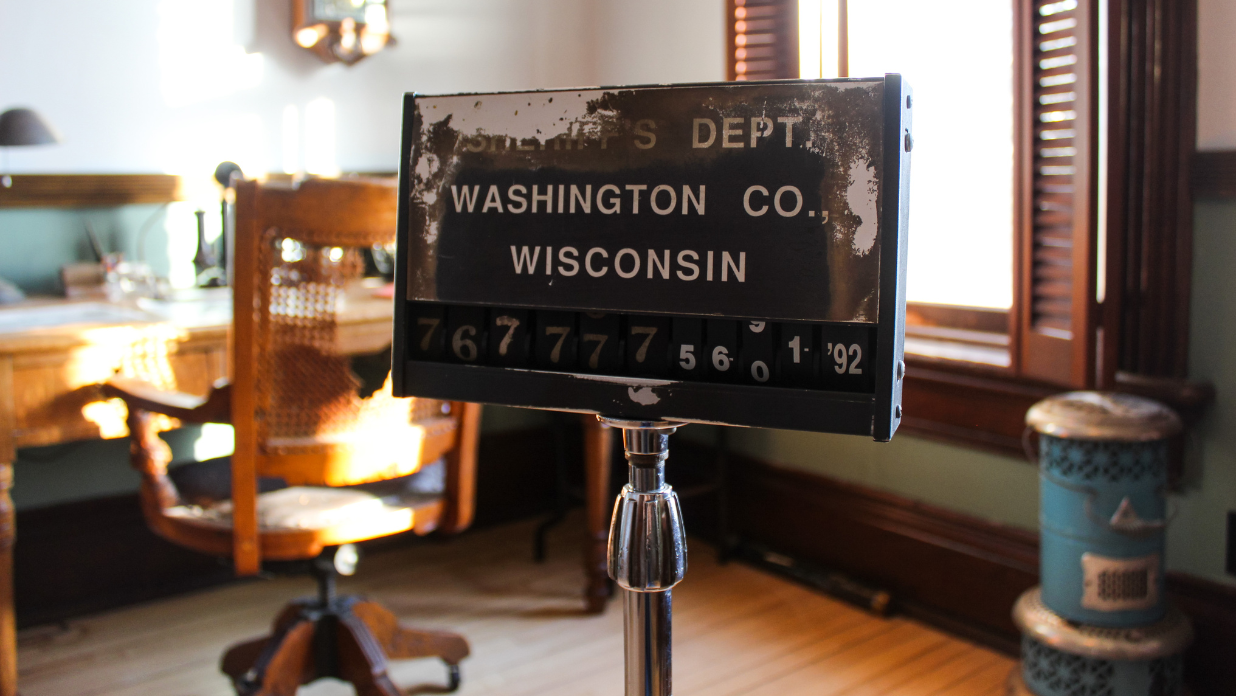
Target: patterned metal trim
x,y
1169,636
1056,672
1098,460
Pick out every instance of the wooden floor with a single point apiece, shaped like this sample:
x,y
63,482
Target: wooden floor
x,y
736,631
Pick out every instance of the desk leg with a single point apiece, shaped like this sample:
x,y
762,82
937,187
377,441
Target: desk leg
x,y
8,620
8,525
599,506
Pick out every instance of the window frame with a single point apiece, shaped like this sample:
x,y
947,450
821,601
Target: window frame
x,y
1117,344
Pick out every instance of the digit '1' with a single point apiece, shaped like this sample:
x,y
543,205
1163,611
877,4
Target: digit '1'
x,y
796,355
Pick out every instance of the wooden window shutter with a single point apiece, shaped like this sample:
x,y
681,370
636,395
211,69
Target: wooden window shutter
x,y
1056,198
762,36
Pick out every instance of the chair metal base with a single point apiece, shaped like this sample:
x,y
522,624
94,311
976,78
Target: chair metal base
x,y
348,638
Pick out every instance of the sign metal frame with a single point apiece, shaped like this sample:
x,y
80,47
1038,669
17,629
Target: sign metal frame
x,y
875,414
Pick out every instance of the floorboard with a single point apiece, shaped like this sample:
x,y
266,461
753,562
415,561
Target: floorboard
x,y
738,632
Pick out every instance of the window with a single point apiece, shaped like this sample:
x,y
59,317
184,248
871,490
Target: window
x,y
1050,244
959,218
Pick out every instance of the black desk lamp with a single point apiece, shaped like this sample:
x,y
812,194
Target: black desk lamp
x,y
22,127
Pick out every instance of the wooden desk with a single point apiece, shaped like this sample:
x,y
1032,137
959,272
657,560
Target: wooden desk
x,y
48,373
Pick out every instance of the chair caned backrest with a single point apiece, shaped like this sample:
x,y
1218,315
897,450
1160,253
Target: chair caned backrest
x,y
298,256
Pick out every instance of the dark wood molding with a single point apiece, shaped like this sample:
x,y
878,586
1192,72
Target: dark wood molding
x,y
1209,668
91,555
1214,174
1152,139
980,319
970,408
986,408
955,571
769,37
90,190
943,566
1190,399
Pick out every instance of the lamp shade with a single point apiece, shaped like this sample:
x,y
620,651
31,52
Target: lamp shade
x,y
25,127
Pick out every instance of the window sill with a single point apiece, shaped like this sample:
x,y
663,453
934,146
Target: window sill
x,y
983,406
958,352
968,404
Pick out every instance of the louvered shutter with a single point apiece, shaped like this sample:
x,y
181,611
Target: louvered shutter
x,y
762,38
1056,249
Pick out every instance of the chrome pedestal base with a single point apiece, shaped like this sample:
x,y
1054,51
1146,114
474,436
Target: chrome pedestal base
x,y
647,555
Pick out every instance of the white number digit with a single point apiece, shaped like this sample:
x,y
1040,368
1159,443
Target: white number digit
x,y
562,332
856,354
757,327
464,348
596,354
648,331
686,355
759,371
839,357
720,358
432,323
795,344
511,323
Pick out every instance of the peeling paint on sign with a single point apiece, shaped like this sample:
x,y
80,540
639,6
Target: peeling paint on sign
x,y
645,396
700,200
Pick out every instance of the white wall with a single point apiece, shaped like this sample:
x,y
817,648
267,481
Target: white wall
x,y
179,85
1216,102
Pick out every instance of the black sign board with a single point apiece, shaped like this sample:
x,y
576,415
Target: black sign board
x,y
729,253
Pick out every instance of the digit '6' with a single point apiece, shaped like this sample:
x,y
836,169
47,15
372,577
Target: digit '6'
x,y
463,347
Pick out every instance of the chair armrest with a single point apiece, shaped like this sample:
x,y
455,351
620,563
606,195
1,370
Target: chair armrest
x,y
143,396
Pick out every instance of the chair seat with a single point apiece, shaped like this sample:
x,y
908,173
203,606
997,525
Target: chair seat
x,y
314,508
299,521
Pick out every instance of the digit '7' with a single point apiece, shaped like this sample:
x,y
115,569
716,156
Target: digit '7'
x,y
593,360
562,332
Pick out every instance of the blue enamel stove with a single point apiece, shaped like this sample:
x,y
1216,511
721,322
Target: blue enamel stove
x,y
1100,625
1103,509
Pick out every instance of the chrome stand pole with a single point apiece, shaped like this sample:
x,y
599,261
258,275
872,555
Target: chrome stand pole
x,y
647,555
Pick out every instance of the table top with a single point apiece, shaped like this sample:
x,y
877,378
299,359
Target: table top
x,y
51,324
54,352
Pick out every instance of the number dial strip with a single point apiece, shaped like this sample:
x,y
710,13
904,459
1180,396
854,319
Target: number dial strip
x,y
832,357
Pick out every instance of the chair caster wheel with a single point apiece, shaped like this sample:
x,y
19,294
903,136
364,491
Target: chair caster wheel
x,y
454,679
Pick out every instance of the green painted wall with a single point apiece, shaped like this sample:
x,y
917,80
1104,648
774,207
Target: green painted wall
x,y
36,241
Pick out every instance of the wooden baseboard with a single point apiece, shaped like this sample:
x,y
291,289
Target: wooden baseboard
x,y
952,570
1214,174
948,568
89,556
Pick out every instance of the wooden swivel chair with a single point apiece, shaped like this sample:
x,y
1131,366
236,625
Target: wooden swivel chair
x,y
339,461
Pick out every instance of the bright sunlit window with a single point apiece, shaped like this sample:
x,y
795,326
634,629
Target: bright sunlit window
x,y
958,58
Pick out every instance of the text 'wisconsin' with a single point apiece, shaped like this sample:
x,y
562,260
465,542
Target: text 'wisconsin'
x,y
685,265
